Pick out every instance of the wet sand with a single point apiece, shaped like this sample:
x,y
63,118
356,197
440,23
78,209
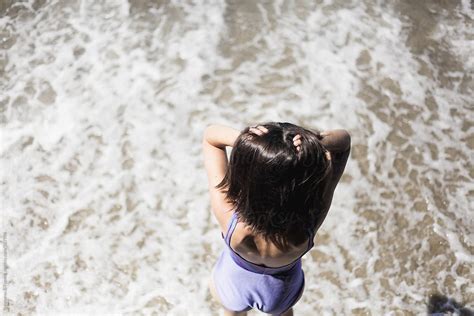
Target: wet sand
x,y
102,108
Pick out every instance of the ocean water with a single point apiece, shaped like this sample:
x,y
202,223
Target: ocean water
x,y
103,104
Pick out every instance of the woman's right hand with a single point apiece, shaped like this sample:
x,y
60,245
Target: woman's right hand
x,y
297,143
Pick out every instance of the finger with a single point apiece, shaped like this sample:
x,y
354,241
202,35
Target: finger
x,y
296,137
297,142
262,129
328,155
298,148
255,131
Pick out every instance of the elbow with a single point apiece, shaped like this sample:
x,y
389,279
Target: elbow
x,y
209,134
205,134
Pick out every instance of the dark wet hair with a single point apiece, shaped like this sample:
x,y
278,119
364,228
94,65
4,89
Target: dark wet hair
x,y
276,189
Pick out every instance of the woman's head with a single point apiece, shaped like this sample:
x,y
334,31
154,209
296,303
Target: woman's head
x,y
275,187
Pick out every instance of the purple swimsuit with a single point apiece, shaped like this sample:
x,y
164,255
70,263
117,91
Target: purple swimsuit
x,y
243,285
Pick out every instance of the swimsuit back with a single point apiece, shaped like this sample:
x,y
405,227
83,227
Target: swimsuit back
x,y
245,264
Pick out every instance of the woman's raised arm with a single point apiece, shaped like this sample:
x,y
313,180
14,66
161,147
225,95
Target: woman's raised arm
x,y
338,143
220,136
214,141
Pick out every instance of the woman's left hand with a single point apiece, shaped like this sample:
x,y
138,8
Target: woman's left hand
x,y
259,130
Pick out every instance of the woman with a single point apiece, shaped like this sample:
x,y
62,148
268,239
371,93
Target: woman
x,y
269,201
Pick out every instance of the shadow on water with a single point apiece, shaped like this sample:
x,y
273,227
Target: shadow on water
x,y
439,305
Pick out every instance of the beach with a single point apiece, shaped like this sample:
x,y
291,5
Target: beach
x,y
103,105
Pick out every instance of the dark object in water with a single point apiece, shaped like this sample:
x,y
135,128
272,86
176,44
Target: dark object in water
x,y
440,305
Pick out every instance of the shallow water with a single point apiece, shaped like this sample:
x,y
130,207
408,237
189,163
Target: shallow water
x,y
102,109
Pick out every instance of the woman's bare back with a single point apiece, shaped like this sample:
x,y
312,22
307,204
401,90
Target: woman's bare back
x,y
256,249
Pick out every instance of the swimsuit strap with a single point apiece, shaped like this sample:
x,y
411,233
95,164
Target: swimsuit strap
x,y
230,228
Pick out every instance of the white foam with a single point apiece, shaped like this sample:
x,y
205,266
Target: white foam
x,y
113,181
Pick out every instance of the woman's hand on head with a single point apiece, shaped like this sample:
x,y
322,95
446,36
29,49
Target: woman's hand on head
x,y
259,130
297,142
